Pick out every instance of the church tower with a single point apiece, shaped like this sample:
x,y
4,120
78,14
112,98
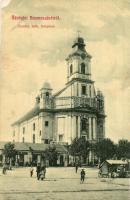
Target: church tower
x,y
79,61
88,105
79,70
45,96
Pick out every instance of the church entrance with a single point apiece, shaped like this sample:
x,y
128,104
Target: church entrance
x,y
84,128
61,160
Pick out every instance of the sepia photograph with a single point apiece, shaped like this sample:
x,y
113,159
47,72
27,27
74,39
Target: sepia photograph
x,y
64,99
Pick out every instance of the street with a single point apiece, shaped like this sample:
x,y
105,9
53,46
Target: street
x,y
61,184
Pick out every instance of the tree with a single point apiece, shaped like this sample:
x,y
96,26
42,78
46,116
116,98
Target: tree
x,y
105,149
80,147
9,152
123,149
51,155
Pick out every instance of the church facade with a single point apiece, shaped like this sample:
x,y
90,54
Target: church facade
x,y
75,111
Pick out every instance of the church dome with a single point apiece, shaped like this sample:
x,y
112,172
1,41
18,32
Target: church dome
x,y
46,85
79,41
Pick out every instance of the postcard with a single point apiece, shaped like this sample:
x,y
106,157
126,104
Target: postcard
x,y
64,99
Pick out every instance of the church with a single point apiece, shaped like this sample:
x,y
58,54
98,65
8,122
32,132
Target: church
x,y
77,110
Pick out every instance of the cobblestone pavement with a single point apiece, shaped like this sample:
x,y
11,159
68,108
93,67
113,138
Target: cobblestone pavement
x,y
61,184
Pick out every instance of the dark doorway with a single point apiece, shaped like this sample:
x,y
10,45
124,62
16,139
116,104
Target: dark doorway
x,y
61,160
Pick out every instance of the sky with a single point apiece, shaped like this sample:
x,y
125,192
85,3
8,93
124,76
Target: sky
x,y
30,56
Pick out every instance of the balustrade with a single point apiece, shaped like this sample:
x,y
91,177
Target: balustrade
x,y
73,102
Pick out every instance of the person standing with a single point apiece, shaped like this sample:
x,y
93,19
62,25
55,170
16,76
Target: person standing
x,y
76,167
31,171
38,169
42,173
82,175
4,168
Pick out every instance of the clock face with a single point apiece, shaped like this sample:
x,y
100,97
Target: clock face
x,y
83,56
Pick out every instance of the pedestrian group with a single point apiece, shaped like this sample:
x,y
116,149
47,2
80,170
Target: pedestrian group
x,y
40,171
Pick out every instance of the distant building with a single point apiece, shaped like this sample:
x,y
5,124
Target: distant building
x,y
75,111
29,153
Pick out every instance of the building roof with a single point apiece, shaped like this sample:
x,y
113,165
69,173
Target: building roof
x,y
69,84
60,91
61,148
19,146
36,110
28,146
79,52
46,85
115,162
32,113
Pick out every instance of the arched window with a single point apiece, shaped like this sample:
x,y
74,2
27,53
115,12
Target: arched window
x,y
23,140
92,127
83,90
40,133
82,68
83,125
47,94
23,130
34,127
46,123
33,138
90,92
71,69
